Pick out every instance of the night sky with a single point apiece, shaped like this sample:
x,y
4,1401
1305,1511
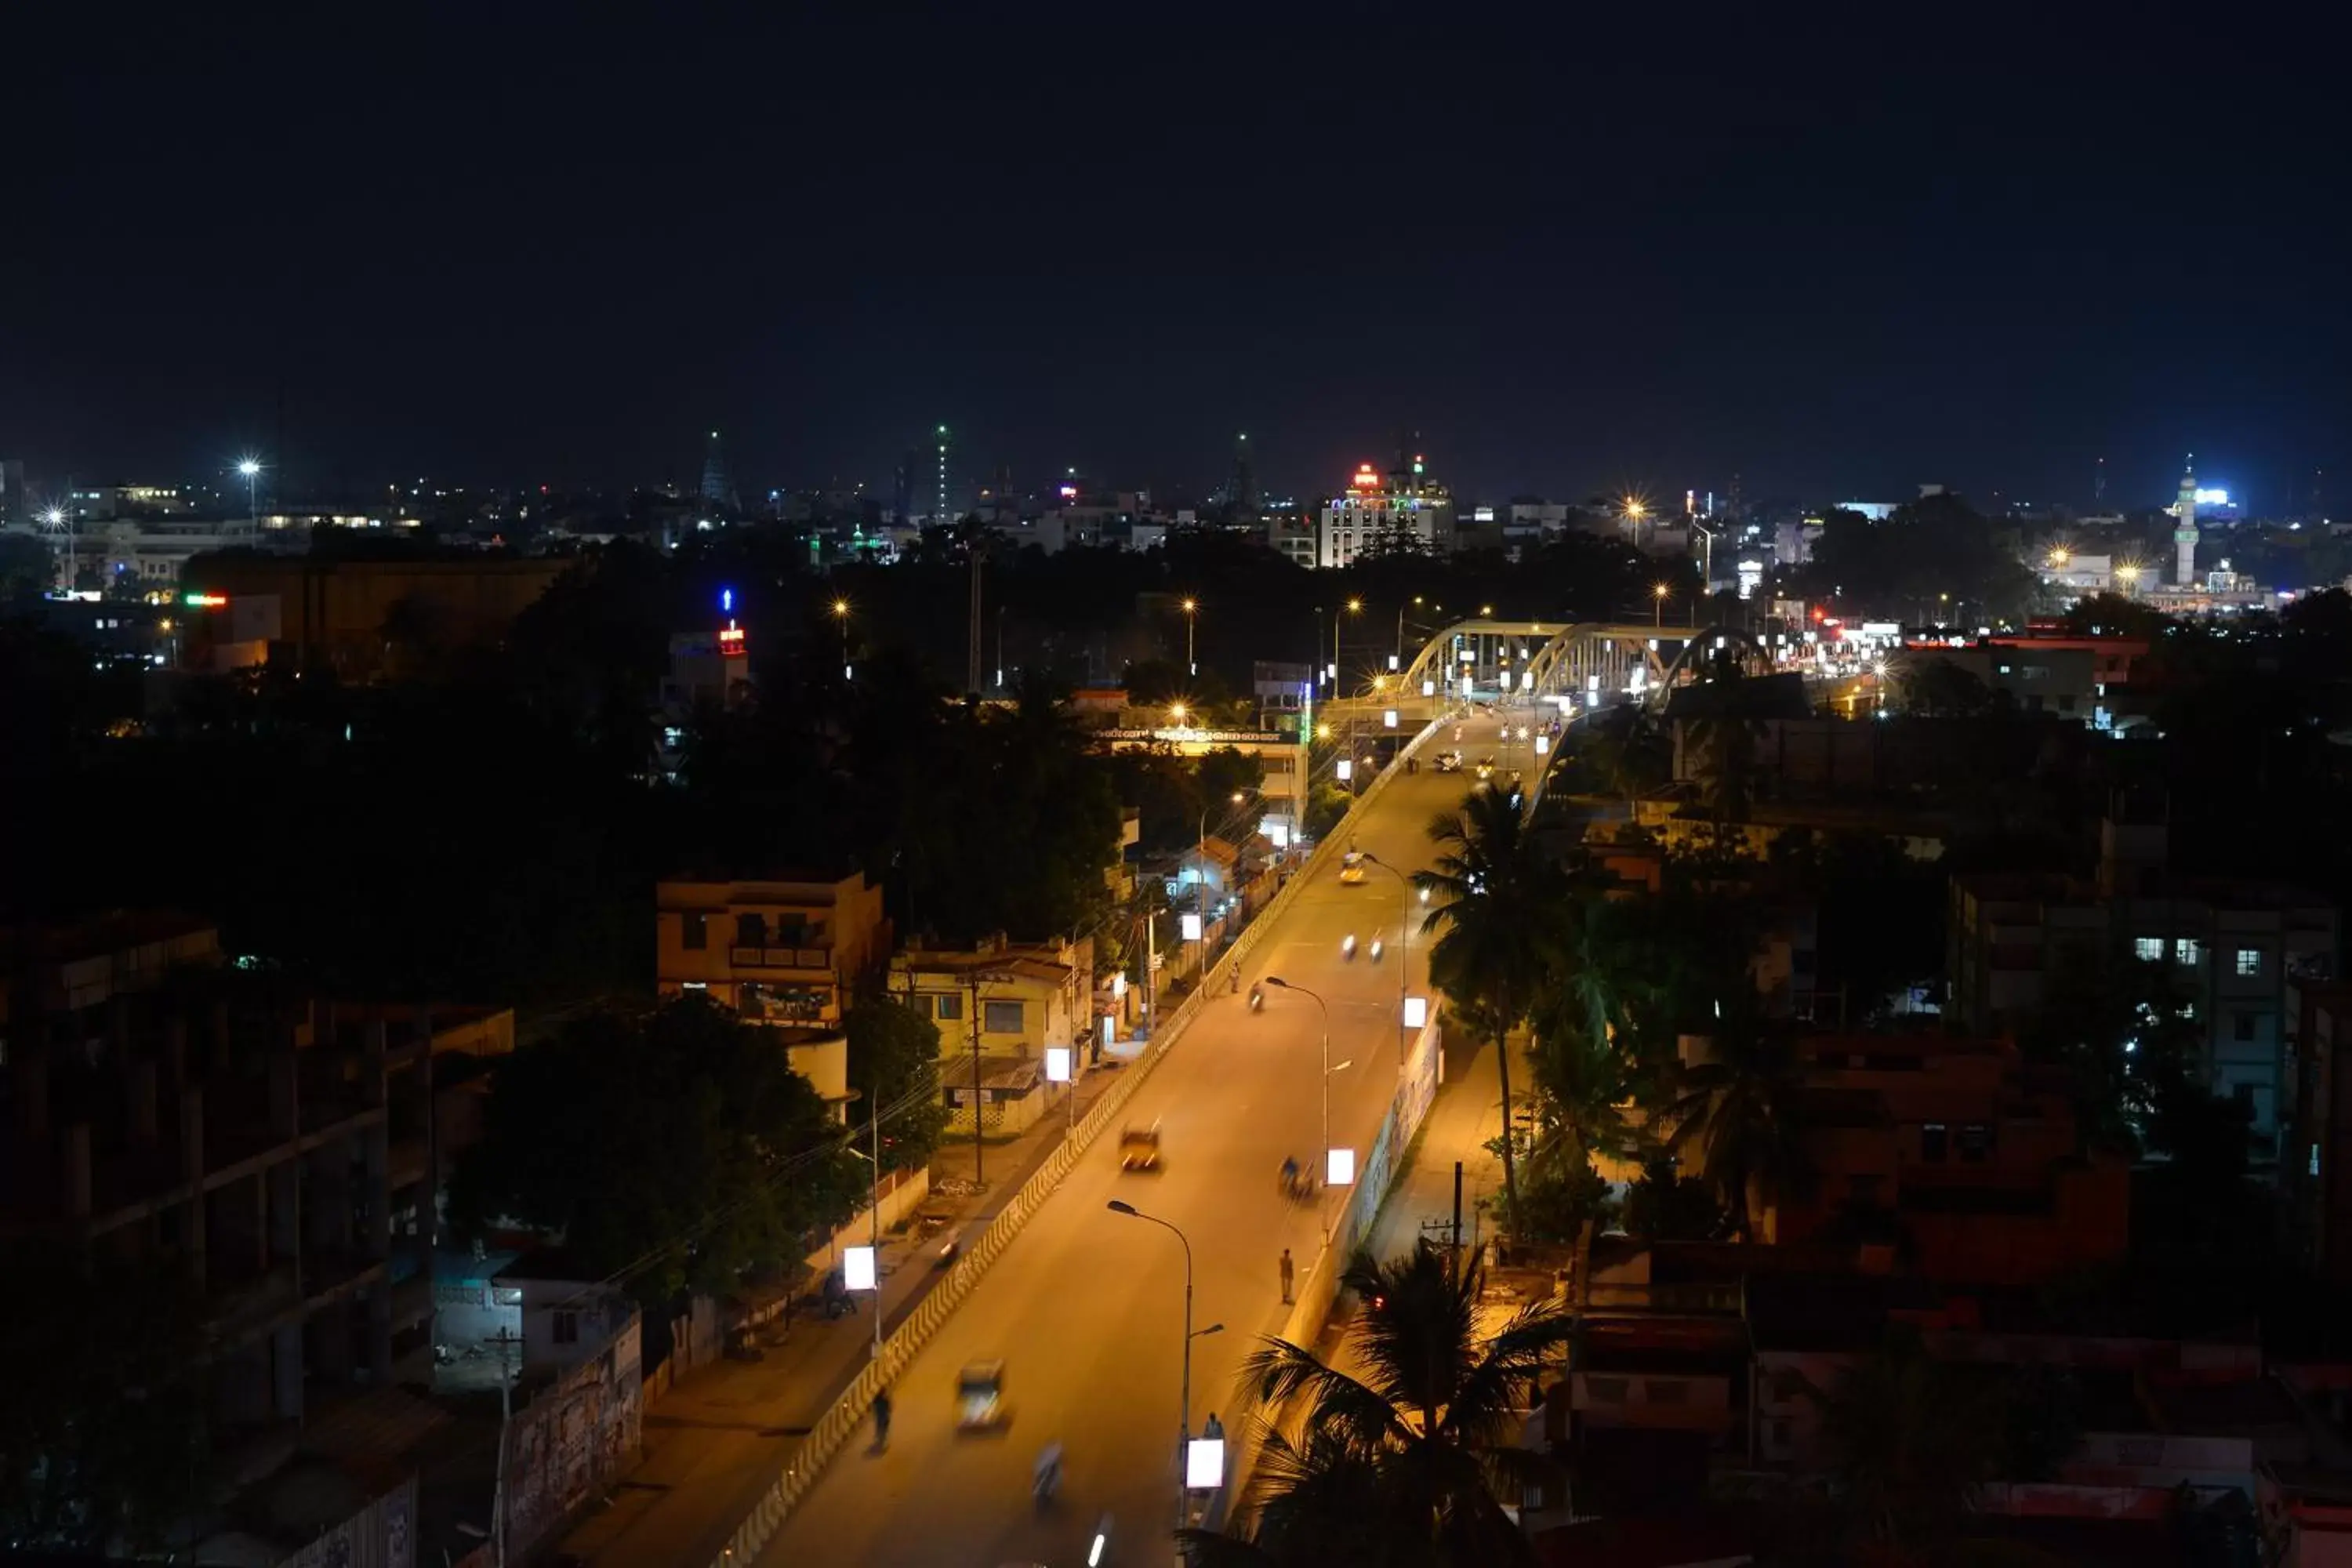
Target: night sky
x,y
1836,258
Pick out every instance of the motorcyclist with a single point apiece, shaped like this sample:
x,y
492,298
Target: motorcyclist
x,y
1047,1476
1289,1176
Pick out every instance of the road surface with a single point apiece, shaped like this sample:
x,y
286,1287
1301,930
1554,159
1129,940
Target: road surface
x,y
1086,1308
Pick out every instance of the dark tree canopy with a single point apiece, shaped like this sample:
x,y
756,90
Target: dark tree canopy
x,y
671,1146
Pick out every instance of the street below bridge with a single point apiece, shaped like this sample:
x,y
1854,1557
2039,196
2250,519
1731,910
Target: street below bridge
x,y
1086,1308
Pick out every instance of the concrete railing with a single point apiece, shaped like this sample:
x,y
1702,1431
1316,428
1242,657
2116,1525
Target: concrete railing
x,y
838,1425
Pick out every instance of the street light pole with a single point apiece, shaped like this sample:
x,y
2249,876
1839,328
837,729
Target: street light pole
x,y
1191,665
1184,1416
251,468
1324,1009
874,1208
1404,940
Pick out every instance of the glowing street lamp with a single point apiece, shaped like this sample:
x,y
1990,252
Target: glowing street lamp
x,y
1280,983
251,468
1190,666
1659,594
1177,711
841,614
1184,1424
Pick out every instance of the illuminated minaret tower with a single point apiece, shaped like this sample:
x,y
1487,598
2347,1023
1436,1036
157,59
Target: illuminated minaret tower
x,y
2184,526
939,514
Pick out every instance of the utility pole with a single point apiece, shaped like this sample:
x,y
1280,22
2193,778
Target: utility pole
x,y
499,1486
979,1172
873,1210
971,663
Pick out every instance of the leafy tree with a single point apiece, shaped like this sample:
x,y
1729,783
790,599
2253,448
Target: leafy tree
x,y
1912,1440
1936,687
1745,1107
1666,1205
1724,735
1491,889
2117,1027
1398,1467
1225,772
27,569
103,1436
672,1146
1628,752
894,1054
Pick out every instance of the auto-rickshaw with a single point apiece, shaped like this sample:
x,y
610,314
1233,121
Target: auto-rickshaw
x,y
979,1396
1139,1148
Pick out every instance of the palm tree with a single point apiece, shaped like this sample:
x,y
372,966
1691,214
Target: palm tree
x,y
1397,1466
1725,737
1492,890
1910,1441
1744,1107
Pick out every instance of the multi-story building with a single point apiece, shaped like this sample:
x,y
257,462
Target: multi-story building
x,y
1967,1160
788,952
284,1153
1290,533
2315,1164
336,611
999,1006
1401,510
2230,949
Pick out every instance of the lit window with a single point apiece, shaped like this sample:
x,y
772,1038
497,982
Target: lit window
x,y
948,1006
2150,948
2249,961
2184,949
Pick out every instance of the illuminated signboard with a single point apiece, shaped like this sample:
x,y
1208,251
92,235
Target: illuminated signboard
x,y
1365,480
731,639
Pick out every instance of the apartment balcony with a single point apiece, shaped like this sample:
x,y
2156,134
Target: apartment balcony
x,y
783,960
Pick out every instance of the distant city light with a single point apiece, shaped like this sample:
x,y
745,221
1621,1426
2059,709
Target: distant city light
x,y
2213,498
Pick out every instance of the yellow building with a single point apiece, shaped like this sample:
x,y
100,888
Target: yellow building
x,y
789,954
998,1007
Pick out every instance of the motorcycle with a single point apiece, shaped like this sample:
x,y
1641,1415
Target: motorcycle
x,y
1376,949
1048,1478
1101,1547
1347,947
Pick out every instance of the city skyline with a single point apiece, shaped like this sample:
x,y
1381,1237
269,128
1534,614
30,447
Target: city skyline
x,y
1824,259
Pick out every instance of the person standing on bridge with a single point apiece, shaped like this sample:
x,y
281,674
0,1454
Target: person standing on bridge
x,y
1286,1276
881,1419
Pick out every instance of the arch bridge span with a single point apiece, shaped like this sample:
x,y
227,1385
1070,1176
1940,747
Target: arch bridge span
x,y
1588,662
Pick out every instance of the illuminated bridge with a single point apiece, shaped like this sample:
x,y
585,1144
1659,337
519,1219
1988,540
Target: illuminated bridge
x,y
1589,663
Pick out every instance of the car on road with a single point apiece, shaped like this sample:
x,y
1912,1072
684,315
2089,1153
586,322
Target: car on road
x,y
1352,867
1449,762
1486,768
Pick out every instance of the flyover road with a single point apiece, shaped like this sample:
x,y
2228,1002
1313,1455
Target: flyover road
x,y
1086,1306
